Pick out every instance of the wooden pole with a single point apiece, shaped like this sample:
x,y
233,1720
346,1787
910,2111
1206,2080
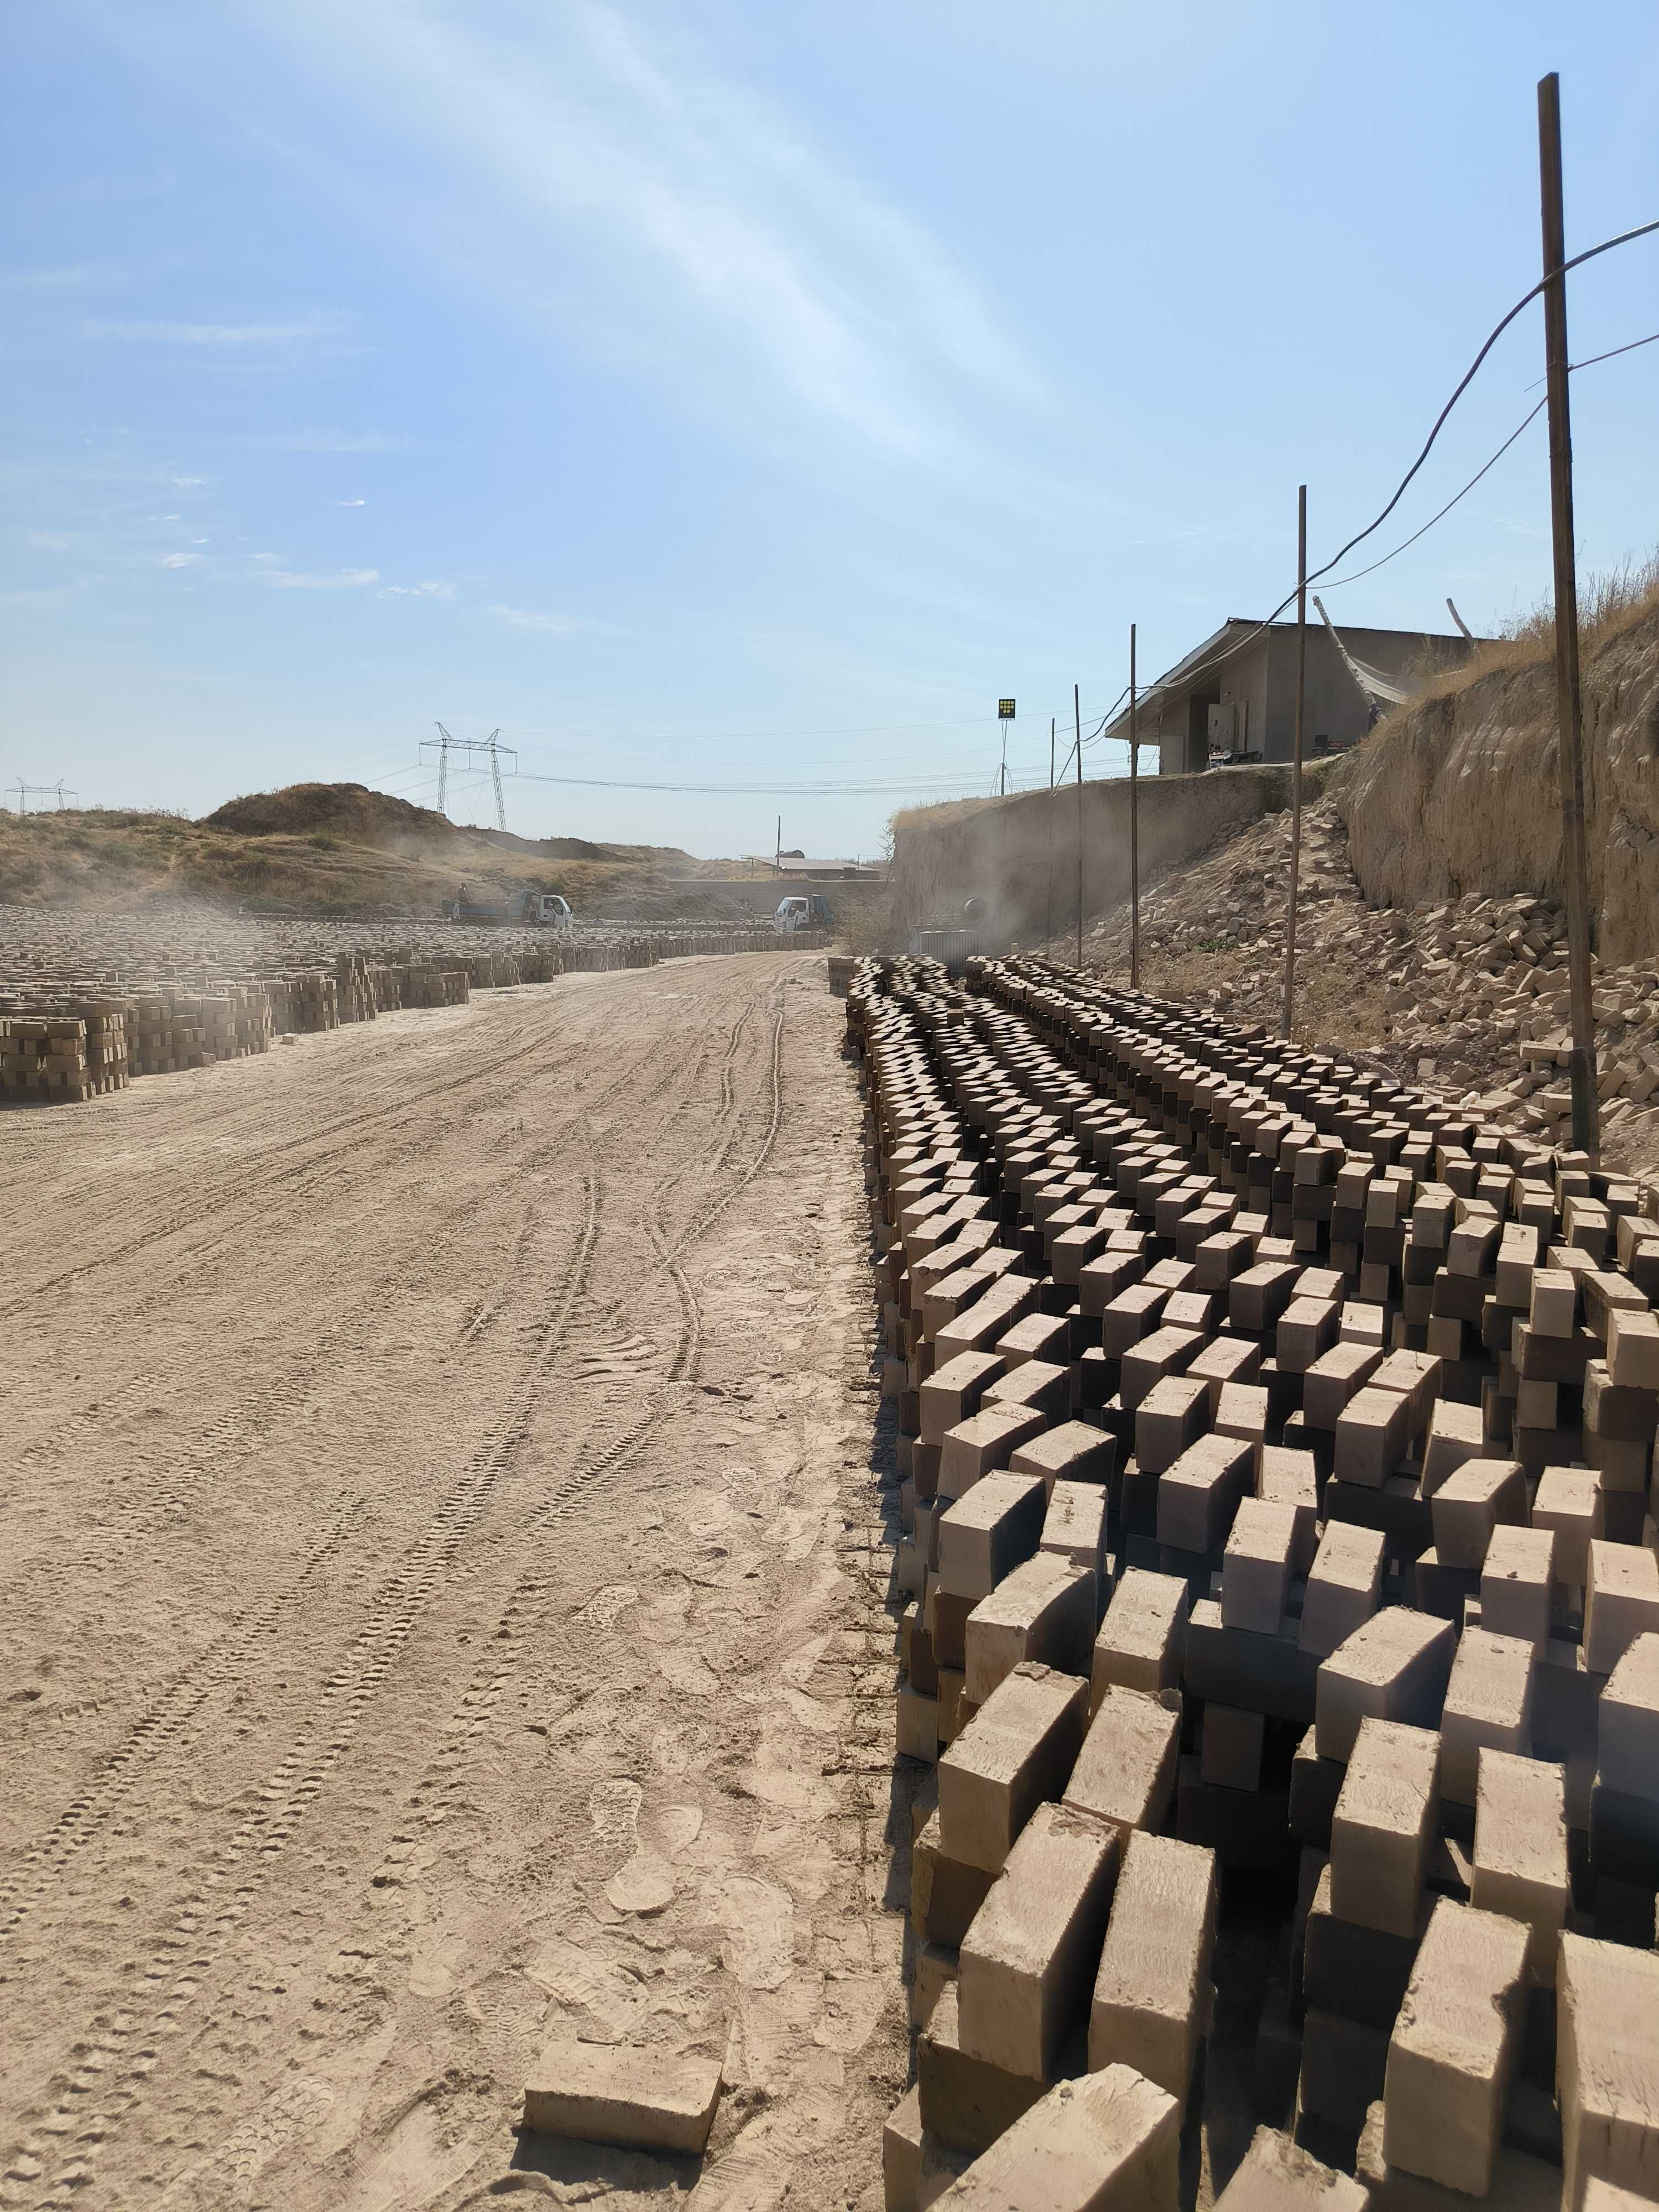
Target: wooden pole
x,y
1134,823
1077,716
1296,753
1570,704
1048,926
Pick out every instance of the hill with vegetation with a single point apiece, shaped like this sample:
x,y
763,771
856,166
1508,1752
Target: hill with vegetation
x,y
326,849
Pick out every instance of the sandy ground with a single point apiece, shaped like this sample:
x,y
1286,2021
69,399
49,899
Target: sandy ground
x,y
443,1608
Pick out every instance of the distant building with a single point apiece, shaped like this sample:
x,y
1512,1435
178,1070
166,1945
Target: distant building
x,y
1234,696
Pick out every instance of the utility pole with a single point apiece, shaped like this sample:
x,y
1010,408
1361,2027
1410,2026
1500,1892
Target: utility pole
x,y
495,770
1569,703
777,850
1295,754
1077,716
1134,822
444,744
1049,925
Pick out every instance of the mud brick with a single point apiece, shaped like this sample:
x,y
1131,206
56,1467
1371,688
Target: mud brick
x,y
1256,1574
1108,2141
1553,1307
1633,1350
984,1535
1257,1297
1488,1704
1607,2067
640,2099
965,2102
1027,1963
954,1711
1039,1336
1151,1995
1072,1250
1278,2175
1628,1722
1107,1278
924,1470
1519,1856
1621,1601
952,1392
1316,1784
1131,1316
1417,1376
1603,1294
1225,1360
1167,1352
1016,1751
1042,1613
1040,1385
1195,1309
1173,1415
1620,1415
1200,1491
1521,2181
1307,1327
917,1724
1372,1432
1394,1667
1287,1477
1230,1753
1074,1529
1516,1583
1126,1772
1073,1452
1453,2048
1433,1587
1383,1827
1550,1359
1241,1412
1344,2063
1473,1502
1333,1378
983,1445
1269,1675
1455,1435
1472,1247
1518,1252
1221,1257
900,2153
1352,1969
1142,1640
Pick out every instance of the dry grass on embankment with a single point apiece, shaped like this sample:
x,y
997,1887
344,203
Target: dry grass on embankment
x,y
320,850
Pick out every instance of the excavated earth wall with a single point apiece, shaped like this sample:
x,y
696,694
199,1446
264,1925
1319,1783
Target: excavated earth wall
x,y
1458,792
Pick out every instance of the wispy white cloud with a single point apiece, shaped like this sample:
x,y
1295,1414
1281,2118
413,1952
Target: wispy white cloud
x,y
312,329
332,442
351,502
548,624
433,591
188,484
343,579
180,560
703,205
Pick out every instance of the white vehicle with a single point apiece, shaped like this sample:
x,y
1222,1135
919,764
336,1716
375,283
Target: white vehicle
x,y
547,910
794,913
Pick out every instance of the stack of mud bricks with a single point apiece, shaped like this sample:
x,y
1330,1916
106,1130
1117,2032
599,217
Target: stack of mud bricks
x,y
1244,1572
313,1002
61,1059
435,986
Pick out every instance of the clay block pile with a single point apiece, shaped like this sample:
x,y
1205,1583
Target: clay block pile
x,y
1276,1449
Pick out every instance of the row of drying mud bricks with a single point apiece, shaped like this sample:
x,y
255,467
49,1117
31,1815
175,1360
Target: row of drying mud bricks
x,y
1231,1565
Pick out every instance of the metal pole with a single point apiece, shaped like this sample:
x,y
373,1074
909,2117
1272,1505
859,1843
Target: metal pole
x,y
443,769
1574,857
1077,716
1295,754
1049,924
495,770
1134,822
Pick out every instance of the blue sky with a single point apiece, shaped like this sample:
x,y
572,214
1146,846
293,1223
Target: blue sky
x,y
750,393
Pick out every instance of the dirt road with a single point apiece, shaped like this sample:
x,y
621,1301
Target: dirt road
x,y
442,1607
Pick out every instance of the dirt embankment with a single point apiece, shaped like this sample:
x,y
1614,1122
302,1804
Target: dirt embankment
x,y
1458,792
323,850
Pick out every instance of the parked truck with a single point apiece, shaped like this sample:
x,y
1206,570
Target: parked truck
x,y
524,909
796,913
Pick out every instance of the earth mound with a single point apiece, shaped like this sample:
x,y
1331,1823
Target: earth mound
x,y
344,809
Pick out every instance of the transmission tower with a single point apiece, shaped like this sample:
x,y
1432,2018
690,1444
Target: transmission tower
x,y
443,745
57,791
